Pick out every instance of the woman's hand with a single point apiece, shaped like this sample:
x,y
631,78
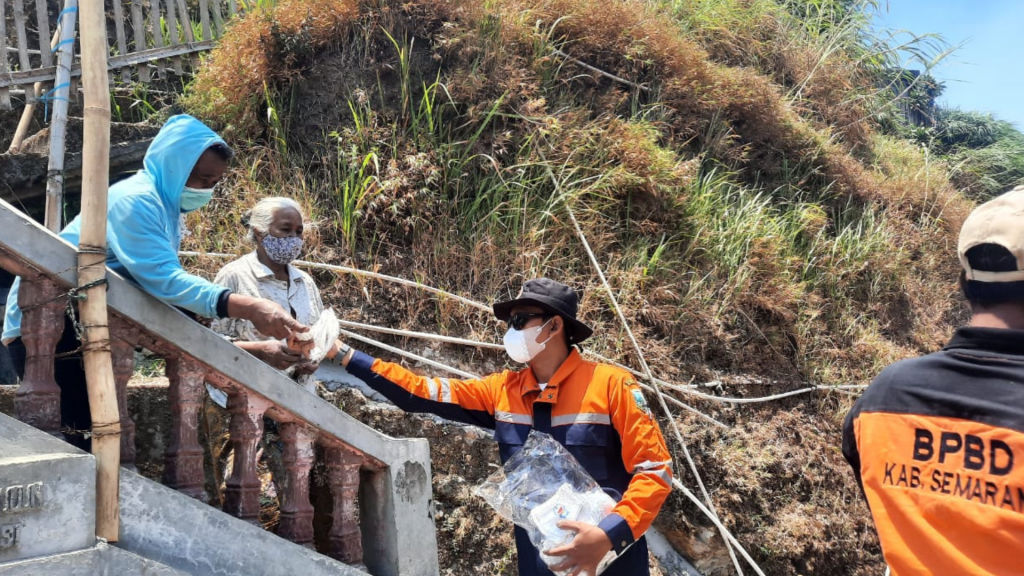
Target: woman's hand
x,y
306,367
303,347
278,354
335,353
266,315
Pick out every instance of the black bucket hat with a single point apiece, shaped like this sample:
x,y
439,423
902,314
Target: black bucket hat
x,y
553,297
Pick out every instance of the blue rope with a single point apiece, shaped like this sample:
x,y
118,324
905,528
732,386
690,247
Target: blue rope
x,y
61,43
50,95
70,10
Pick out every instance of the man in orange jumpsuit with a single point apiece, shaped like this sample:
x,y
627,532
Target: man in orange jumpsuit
x,y
937,442
596,411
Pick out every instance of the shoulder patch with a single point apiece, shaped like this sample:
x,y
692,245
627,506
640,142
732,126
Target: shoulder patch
x,y
638,398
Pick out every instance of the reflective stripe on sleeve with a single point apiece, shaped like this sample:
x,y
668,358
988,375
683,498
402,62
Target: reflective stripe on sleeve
x,y
446,390
662,470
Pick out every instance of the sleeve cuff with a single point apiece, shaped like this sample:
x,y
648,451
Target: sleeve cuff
x,y
360,364
222,303
618,531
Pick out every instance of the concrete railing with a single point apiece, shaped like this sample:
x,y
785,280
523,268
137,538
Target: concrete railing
x,y
380,504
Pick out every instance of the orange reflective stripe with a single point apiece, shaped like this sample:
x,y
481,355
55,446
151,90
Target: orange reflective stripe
x,y
947,495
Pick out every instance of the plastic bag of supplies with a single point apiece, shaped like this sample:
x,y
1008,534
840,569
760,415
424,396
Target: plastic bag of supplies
x,y
542,485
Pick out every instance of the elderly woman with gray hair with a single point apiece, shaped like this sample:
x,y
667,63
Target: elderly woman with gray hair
x,y
275,227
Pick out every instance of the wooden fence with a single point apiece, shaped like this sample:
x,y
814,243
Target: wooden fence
x,y
147,37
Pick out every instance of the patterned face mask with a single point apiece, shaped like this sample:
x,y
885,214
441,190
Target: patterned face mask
x,y
282,250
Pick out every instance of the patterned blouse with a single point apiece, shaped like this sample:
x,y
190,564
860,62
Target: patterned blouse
x,y
249,277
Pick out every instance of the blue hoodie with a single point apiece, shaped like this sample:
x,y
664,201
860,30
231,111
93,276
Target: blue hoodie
x,y
144,224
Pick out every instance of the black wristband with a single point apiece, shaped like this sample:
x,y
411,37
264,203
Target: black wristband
x,y
222,303
342,352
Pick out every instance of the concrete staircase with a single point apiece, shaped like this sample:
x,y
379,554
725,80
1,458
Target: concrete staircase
x,y
380,506
47,523
101,559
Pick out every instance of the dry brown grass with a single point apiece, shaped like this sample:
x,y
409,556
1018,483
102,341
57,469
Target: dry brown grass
x,y
263,50
887,304
746,227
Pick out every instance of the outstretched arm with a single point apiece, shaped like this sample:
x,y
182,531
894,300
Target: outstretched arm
x,y
468,401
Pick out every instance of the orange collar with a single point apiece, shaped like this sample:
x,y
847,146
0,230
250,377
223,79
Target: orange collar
x,y
550,392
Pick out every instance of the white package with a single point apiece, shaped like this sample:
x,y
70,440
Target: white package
x,y
323,334
542,485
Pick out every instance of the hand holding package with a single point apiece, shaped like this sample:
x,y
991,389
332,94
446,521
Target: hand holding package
x,y
542,485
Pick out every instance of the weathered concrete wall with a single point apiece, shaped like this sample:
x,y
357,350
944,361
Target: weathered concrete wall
x,y
47,494
100,560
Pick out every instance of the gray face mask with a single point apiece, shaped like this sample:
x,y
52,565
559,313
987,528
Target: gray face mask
x,y
282,250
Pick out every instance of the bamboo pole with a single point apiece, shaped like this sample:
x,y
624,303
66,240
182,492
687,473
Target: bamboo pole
x,y
59,125
218,18
186,21
114,63
204,18
186,27
92,250
31,101
13,50
172,29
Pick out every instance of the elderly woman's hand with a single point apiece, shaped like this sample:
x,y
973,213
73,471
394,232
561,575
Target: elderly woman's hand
x,y
303,347
306,367
278,354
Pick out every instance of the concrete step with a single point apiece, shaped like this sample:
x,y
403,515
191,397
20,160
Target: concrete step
x,y
100,560
48,520
163,524
47,494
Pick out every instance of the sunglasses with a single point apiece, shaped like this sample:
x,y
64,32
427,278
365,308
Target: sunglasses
x,y
518,321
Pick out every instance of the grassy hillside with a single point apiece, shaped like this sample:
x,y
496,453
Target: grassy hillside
x,y
725,159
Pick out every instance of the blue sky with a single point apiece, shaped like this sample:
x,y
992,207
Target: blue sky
x,y
987,72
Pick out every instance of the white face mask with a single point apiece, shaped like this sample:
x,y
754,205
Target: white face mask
x,y
522,345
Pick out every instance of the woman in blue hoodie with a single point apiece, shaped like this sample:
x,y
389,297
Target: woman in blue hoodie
x,y
182,166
